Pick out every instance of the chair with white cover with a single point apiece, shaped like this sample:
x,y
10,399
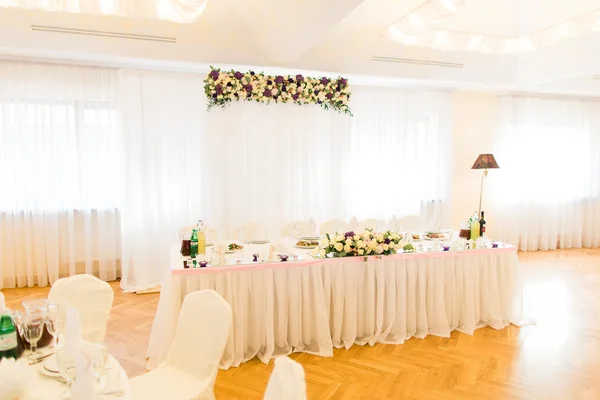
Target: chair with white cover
x,y
190,368
334,225
91,297
410,223
371,223
287,381
295,228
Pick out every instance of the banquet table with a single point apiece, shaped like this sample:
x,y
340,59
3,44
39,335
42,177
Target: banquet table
x,y
46,387
313,305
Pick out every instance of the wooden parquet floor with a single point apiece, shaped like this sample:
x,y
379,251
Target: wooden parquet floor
x,y
556,359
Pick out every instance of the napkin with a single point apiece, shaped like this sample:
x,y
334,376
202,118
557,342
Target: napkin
x,y
2,303
16,378
221,260
354,224
271,253
393,225
83,387
311,228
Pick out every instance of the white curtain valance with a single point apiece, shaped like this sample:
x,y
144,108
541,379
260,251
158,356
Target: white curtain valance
x,y
180,11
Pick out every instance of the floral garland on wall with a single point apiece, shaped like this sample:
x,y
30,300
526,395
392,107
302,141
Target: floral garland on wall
x,y
222,87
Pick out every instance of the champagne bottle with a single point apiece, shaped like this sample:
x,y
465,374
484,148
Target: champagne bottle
x,y
9,344
482,223
194,244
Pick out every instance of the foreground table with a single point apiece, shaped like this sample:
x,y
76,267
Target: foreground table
x,y
315,304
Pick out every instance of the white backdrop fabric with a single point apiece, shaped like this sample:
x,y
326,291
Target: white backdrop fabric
x,y
59,134
321,304
547,193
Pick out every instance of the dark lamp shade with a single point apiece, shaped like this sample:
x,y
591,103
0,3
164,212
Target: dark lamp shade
x,y
485,161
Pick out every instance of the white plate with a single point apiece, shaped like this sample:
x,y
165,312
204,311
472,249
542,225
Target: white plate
x,y
53,375
305,247
258,241
310,237
50,364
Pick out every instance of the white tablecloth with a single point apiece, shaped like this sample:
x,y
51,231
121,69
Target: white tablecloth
x,y
47,388
313,305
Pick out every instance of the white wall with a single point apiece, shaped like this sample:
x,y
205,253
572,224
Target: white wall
x,y
475,119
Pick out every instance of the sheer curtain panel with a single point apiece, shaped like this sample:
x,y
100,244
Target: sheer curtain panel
x,y
547,191
59,167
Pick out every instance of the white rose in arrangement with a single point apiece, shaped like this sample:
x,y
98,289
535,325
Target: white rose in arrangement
x,y
347,248
361,252
360,244
339,238
220,97
380,238
339,247
321,96
321,86
323,253
324,242
395,236
274,91
385,247
379,250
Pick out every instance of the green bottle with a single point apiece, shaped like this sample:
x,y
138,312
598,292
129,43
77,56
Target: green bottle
x,y
9,344
194,244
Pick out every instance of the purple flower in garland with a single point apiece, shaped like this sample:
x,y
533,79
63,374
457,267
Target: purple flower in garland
x,y
248,88
324,81
317,92
342,82
238,75
267,93
387,241
349,234
295,96
279,79
329,96
291,80
229,84
299,78
269,82
219,89
252,73
214,74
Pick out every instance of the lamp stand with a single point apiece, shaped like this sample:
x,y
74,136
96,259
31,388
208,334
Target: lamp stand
x,y
485,172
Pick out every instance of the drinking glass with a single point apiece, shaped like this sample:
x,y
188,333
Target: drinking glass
x,y
66,367
33,327
53,321
98,356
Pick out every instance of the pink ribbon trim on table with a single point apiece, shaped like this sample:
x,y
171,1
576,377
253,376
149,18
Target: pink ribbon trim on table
x,y
303,263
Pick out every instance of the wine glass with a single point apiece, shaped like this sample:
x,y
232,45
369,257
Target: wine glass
x,y
66,367
33,327
99,356
53,321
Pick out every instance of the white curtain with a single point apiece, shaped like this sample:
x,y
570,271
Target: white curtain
x,y
163,117
399,154
547,191
59,168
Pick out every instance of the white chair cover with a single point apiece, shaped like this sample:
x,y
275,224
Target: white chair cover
x,y
393,224
190,368
292,227
287,381
354,224
91,297
371,223
334,225
410,223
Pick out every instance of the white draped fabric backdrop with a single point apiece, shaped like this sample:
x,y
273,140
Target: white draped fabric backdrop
x,y
103,166
547,193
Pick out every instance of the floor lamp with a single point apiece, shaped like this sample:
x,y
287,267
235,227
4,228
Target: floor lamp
x,y
484,162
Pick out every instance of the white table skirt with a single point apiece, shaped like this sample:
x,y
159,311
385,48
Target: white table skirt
x,y
314,305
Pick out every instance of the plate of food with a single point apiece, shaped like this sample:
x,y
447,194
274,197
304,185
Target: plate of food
x,y
417,236
233,247
307,244
408,248
435,235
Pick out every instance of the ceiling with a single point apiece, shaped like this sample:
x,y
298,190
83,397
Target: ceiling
x,y
334,36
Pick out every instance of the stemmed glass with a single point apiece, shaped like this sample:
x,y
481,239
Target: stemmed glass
x,y
53,321
66,367
33,327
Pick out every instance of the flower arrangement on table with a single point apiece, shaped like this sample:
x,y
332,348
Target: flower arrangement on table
x,y
222,87
367,243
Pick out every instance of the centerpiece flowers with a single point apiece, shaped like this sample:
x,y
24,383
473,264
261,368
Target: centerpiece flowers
x,y
367,243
